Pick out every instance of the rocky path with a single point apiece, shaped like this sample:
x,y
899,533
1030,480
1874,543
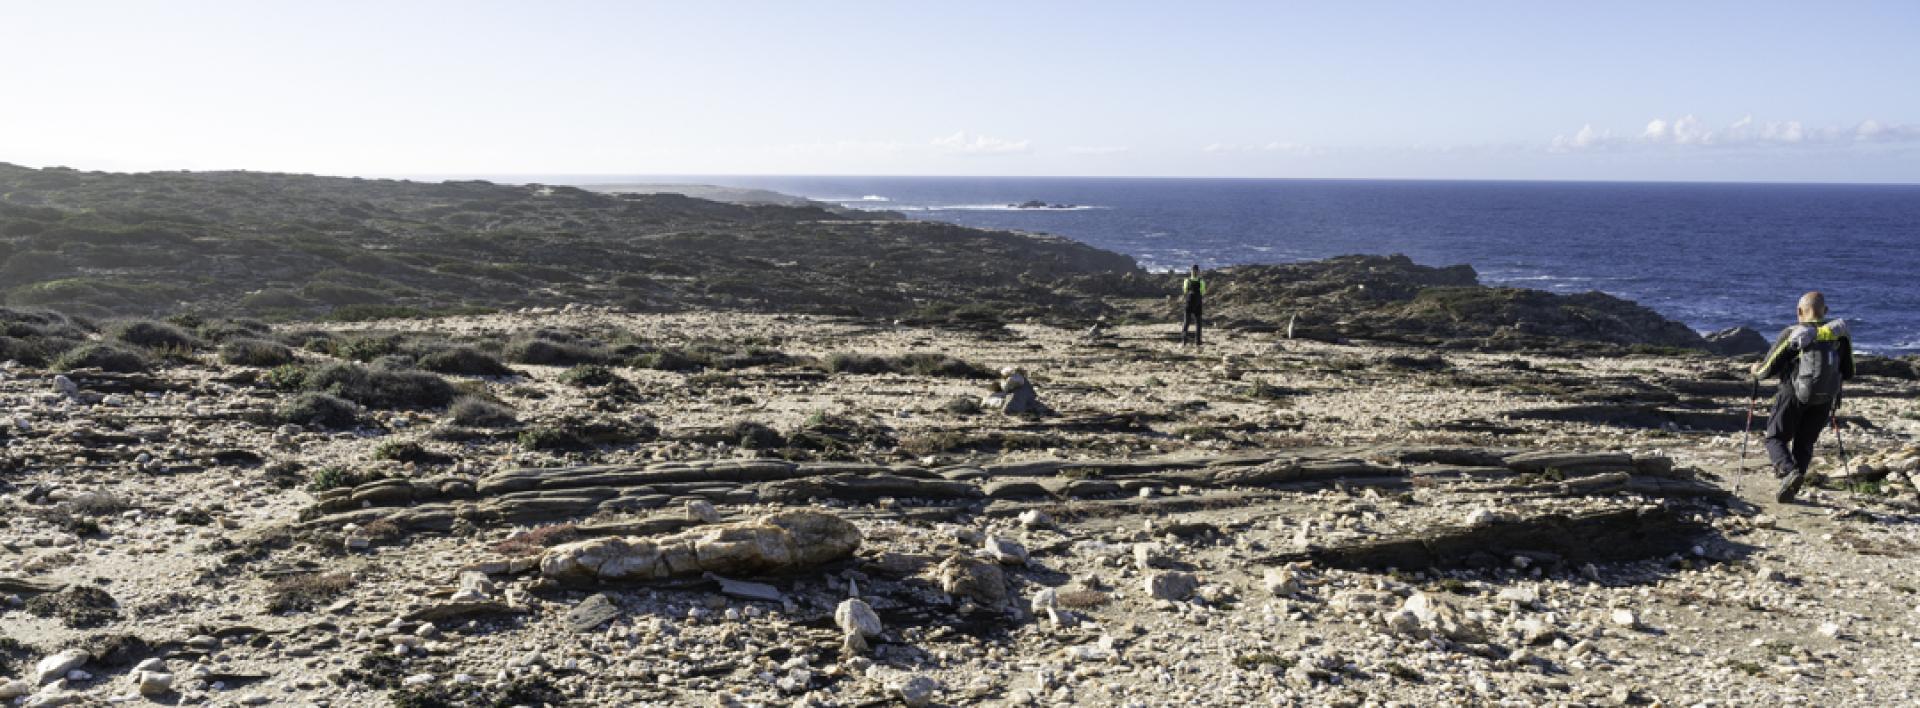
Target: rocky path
x,y
1272,522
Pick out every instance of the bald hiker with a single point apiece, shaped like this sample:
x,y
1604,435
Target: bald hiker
x,y
1811,358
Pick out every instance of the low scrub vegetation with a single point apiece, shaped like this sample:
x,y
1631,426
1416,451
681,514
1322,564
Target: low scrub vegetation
x,y
463,360
318,410
932,364
247,351
381,388
105,357
478,412
149,334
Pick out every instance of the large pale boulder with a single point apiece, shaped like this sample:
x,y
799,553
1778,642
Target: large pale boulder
x,y
774,543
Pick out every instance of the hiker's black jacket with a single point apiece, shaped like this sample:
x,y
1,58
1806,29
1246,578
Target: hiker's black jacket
x,y
1780,361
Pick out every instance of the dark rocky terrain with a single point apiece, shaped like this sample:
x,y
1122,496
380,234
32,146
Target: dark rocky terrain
x,y
289,247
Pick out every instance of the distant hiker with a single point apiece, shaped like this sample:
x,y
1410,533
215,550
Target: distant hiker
x,y
1811,358
1195,291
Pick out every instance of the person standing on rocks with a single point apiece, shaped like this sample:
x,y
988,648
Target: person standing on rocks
x,y
1195,291
1811,358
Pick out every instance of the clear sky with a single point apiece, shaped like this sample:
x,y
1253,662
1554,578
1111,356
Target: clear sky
x,y
1521,90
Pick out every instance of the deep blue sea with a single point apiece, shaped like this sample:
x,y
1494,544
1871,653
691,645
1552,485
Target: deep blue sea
x,y
1709,255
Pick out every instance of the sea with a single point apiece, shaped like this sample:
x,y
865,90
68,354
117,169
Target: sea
x,y
1711,255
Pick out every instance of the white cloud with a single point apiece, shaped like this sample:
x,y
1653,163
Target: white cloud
x,y
1656,130
1689,132
1585,138
964,144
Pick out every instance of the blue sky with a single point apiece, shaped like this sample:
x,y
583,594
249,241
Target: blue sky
x,y
1510,90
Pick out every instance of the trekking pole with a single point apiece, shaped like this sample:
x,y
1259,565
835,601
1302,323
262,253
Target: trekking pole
x,y
1834,420
1746,434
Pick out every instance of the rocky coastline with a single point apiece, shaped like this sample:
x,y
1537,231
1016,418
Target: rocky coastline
x,y
551,447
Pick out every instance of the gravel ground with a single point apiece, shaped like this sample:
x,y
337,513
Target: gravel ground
x,y
156,526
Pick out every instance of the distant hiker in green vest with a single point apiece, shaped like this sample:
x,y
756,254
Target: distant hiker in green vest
x,y
1195,291
1811,358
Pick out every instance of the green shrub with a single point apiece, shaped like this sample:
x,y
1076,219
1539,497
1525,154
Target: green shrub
x,y
912,363
103,356
854,363
588,375
364,348
255,352
272,299
585,434
755,436
378,388
225,330
547,352
335,477
287,377
33,352
939,365
1265,391
709,355
408,451
961,405
148,334
368,312
463,361
481,413
666,360
318,409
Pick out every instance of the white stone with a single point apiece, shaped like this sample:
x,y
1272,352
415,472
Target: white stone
x,y
153,683
54,668
14,689
1280,581
1520,595
1046,599
855,617
1006,551
702,511
1035,519
1171,585
1625,618
916,692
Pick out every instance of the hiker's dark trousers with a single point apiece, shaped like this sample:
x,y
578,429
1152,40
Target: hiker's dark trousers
x,y
1191,319
1792,431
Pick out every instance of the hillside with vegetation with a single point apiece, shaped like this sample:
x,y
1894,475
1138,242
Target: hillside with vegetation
x,y
283,247
280,246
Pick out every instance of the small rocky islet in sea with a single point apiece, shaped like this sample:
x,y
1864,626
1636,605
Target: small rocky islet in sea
x,y
1433,492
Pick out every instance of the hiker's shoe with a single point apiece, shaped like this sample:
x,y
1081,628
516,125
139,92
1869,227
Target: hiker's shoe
x,y
1791,487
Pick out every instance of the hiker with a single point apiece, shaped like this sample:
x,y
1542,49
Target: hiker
x,y
1811,358
1195,291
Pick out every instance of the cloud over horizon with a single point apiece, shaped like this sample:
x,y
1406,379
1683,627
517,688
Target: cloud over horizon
x,y
967,144
1688,131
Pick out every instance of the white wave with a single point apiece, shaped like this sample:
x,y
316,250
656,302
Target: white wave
x,y
1010,207
1550,278
852,200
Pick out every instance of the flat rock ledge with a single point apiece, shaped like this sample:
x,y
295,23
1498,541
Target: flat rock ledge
x,y
771,544
545,495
